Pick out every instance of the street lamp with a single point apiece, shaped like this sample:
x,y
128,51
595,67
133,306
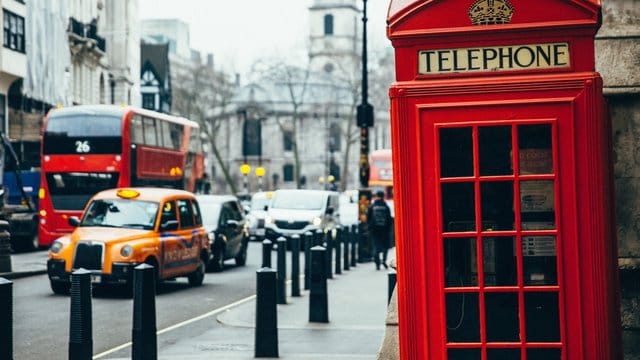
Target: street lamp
x,y
364,121
260,173
245,169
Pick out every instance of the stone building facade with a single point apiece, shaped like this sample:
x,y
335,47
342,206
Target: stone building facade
x,y
617,60
323,122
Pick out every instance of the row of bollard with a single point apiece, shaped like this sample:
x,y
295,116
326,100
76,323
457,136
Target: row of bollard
x,y
318,257
144,343
270,292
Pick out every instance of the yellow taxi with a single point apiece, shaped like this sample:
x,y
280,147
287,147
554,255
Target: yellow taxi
x,y
122,228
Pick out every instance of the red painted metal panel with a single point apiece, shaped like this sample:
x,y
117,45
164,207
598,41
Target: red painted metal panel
x,y
584,281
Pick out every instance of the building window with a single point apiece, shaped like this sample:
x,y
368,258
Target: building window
x,y
149,101
328,24
287,138
334,170
252,138
13,31
287,172
3,100
334,137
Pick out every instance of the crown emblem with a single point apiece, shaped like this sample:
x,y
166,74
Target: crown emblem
x,y
490,12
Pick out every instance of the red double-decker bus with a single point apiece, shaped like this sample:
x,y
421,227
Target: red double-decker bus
x,y
381,173
89,148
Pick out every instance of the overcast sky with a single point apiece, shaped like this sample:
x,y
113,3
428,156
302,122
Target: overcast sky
x,y
238,32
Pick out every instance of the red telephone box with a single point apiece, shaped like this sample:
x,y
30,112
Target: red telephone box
x,y
505,238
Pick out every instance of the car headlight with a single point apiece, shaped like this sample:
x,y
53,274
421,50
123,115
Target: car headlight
x,y
316,221
56,247
268,220
126,251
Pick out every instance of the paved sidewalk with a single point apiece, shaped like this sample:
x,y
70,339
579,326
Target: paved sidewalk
x,y
357,311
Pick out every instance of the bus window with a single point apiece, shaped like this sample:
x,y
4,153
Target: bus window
x,y
176,136
137,133
150,132
167,142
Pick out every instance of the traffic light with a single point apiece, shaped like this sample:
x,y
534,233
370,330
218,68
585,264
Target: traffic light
x,y
365,115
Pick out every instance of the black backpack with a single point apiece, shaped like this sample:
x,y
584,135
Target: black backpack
x,y
380,215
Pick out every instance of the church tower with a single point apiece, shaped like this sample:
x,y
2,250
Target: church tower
x,y
334,35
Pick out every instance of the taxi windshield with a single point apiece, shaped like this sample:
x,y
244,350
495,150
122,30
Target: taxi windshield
x,y
121,213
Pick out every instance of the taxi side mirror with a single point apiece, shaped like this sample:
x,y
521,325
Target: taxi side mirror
x,y
73,221
169,225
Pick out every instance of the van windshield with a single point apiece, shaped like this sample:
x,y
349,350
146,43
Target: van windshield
x,y
299,201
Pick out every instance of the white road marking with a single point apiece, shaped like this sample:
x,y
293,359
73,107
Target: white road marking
x,y
186,322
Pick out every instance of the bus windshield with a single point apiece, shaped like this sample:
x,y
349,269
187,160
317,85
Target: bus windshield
x,y
83,134
71,191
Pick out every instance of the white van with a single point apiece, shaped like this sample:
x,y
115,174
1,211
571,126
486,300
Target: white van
x,y
296,211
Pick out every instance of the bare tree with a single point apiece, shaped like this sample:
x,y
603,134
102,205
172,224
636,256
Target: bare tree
x,y
204,96
294,81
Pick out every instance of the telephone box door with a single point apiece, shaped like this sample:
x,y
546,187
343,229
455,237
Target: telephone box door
x,y
504,249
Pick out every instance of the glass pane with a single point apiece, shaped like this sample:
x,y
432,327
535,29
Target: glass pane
x,y
494,147
463,354
499,261
503,354
463,317
502,317
535,155
544,354
497,204
456,152
460,262
458,209
542,318
539,260
537,205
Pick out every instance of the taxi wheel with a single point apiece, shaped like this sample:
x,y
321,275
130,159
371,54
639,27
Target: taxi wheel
x,y
197,277
59,287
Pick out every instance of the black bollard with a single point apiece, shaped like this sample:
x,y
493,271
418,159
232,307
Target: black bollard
x,y
6,319
295,265
318,297
282,270
5,247
267,247
328,257
354,242
266,340
144,342
392,276
338,247
80,324
346,235
308,244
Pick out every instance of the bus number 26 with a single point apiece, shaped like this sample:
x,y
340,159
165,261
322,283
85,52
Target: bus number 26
x,y
83,146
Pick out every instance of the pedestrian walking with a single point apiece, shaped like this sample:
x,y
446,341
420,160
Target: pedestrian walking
x,y
379,223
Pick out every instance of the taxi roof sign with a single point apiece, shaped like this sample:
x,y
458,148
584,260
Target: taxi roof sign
x,y
127,193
